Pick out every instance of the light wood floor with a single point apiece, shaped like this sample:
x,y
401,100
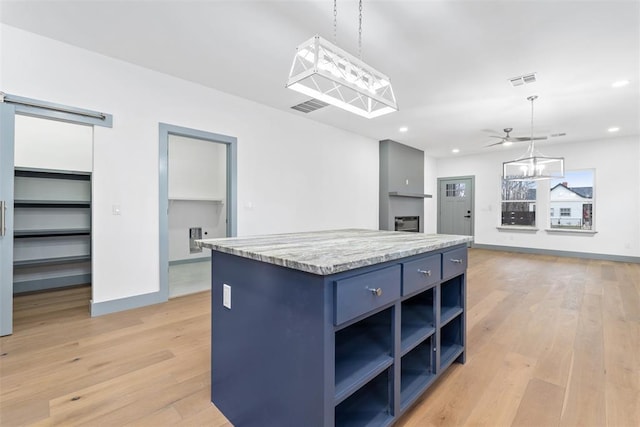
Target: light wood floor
x,y
551,341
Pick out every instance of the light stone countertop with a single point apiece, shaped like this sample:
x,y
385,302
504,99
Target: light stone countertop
x,y
333,251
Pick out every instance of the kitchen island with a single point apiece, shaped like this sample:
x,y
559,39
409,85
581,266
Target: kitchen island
x,y
344,327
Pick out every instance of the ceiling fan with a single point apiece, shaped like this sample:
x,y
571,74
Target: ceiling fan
x,y
508,139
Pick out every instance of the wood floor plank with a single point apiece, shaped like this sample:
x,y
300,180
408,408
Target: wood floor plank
x,y
499,402
585,399
550,341
541,405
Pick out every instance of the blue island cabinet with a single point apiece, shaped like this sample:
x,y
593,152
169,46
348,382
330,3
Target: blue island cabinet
x,y
355,348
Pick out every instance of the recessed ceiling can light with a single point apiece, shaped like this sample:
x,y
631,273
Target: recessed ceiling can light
x,y
613,129
403,129
455,150
620,83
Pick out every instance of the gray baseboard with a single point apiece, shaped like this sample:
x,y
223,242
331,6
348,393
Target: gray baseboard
x,y
50,283
569,254
189,260
121,304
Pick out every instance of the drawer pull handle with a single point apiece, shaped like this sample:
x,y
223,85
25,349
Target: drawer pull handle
x,y
377,291
425,272
457,261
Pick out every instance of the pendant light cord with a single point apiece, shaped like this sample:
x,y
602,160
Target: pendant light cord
x,y
532,146
335,21
360,31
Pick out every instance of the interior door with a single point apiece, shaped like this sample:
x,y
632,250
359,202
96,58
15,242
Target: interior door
x,y
455,206
7,129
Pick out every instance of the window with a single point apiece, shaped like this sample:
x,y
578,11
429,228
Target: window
x,y
519,203
455,190
572,198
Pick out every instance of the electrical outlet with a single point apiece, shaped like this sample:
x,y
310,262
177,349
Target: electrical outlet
x,y
226,296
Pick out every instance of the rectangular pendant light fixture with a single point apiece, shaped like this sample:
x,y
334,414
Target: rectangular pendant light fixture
x,y
533,165
324,71
533,168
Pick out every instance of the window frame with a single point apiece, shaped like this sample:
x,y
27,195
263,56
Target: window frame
x,y
504,199
588,202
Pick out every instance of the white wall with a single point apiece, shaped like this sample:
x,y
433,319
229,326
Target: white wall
x,y
196,169
294,174
617,200
197,178
50,144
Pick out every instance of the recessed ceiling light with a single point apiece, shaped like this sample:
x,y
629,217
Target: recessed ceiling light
x,y
613,129
455,150
403,129
620,83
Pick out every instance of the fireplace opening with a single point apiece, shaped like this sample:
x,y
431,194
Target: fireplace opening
x,y
408,223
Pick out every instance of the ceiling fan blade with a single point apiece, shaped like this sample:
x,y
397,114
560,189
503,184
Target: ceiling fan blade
x,y
495,143
524,138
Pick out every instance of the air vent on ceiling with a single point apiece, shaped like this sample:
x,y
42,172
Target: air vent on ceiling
x,y
524,79
310,105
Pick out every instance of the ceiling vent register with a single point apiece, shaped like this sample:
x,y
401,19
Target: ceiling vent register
x,y
310,105
524,79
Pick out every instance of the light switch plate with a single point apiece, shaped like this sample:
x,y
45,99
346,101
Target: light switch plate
x,y
226,295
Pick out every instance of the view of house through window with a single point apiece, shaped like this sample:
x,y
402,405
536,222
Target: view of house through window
x,y
571,200
519,203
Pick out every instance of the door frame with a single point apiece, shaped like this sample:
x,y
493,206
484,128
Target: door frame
x,y
231,143
10,105
473,200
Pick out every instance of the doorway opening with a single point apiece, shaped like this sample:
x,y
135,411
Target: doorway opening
x,y
197,201
46,163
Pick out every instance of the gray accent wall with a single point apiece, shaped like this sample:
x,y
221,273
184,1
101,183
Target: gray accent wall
x,y
401,183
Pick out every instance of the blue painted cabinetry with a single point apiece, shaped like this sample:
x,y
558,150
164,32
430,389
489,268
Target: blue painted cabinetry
x,y
355,348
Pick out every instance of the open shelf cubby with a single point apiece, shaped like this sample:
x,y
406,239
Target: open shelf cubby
x,y
451,299
369,406
417,316
417,371
362,350
451,341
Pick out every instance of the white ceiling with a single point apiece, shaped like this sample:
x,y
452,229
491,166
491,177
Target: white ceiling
x,y
449,61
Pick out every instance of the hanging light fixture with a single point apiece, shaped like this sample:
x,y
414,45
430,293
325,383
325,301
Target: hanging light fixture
x,y
533,165
323,71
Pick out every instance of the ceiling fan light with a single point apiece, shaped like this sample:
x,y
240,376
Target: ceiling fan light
x,y
323,71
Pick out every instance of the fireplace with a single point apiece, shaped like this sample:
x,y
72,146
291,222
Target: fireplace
x,y
407,223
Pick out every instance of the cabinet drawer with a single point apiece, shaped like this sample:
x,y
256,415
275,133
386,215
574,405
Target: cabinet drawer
x,y
420,274
454,262
360,294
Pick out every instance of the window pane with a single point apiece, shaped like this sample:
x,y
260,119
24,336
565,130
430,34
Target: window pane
x,y
571,200
455,190
518,190
519,213
518,203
